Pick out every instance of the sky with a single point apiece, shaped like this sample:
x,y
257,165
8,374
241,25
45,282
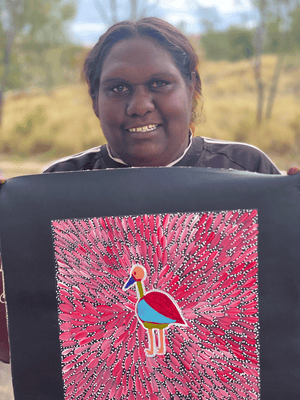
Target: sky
x,y
222,5
87,26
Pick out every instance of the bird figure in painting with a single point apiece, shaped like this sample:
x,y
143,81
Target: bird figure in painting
x,y
155,309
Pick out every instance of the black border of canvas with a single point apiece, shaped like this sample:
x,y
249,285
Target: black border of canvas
x,y
29,204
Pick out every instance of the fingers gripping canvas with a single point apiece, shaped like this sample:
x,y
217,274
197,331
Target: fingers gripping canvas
x,y
159,306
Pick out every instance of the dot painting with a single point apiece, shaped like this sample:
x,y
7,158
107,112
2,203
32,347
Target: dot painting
x,y
159,306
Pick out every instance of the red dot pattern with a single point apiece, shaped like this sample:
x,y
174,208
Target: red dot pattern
x,y
206,261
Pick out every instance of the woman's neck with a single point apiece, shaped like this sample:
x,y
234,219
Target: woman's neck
x,y
117,159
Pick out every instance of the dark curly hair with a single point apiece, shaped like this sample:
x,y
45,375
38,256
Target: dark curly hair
x,y
164,33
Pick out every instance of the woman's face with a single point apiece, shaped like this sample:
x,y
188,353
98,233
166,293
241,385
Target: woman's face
x,y
144,103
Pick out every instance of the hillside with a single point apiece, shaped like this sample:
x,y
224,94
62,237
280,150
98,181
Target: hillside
x,y
230,107
44,126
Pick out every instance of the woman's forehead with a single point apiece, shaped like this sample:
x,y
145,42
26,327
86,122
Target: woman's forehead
x,y
137,57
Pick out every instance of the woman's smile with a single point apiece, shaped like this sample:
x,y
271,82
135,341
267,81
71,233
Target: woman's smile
x,y
147,128
144,103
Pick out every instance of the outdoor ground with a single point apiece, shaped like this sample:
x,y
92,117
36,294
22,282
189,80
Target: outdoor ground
x,y
10,167
38,127
6,391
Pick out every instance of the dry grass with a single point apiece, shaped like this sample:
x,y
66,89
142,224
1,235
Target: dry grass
x,y
230,107
58,123
63,122
48,126
10,167
6,390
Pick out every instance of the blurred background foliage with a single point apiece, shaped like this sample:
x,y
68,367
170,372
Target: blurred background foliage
x,y
250,76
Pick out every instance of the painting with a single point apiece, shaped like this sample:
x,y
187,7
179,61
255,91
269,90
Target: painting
x,y
159,306
152,283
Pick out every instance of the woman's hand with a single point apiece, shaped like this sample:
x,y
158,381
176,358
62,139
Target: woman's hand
x,y
2,179
293,171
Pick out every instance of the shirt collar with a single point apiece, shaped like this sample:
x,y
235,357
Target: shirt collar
x,y
118,160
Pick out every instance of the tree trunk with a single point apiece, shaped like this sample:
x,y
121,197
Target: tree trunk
x,y
133,15
8,47
258,78
274,85
260,101
114,13
102,12
258,44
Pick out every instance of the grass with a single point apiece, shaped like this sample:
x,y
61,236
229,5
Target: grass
x,y
230,108
10,167
40,127
6,390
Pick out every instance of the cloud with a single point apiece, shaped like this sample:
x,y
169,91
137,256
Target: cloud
x,y
175,4
88,27
191,5
177,18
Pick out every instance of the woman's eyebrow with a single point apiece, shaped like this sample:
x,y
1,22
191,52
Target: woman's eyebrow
x,y
112,80
161,75
157,75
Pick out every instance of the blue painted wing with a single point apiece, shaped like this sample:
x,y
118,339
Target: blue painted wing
x,y
147,314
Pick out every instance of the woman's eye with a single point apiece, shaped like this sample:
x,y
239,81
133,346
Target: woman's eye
x,y
119,89
159,84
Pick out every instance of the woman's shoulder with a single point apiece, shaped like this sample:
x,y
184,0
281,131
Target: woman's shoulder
x,y
86,160
241,156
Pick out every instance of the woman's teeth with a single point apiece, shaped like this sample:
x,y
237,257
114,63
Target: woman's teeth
x,y
147,128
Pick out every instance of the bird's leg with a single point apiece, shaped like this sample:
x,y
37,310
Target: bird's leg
x,y
162,346
150,352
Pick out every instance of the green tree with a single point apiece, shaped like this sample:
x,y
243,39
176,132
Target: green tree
x,y
215,45
295,30
239,41
276,31
233,44
27,29
113,11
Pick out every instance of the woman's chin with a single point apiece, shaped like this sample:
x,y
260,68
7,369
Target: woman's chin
x,y
145,156
145,160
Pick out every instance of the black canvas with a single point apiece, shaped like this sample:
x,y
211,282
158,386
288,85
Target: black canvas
x,y
237,329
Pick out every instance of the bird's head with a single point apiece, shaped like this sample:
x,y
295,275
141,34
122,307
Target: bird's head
x,y
137,274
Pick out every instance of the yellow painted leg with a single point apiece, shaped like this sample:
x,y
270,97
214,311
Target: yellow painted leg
x,y
162,347
150,352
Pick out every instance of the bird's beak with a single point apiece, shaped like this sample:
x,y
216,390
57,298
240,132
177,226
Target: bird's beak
x,y
130,282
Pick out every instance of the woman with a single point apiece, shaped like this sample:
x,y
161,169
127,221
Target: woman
x,y
144,85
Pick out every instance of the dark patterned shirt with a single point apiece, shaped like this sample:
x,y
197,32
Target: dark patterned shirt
x,y
203,152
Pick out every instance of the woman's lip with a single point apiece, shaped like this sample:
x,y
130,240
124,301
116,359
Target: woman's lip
x,y
142,128
143,135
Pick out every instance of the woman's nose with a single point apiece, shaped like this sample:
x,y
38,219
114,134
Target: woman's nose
x,y
140,102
